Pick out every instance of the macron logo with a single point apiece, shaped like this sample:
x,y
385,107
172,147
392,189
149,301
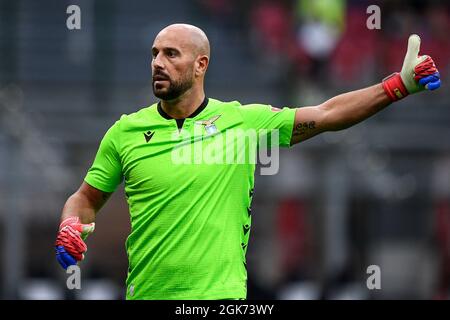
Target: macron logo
x,y
148,135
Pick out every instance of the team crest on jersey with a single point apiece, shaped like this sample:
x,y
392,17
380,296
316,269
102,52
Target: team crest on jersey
x,y
210,127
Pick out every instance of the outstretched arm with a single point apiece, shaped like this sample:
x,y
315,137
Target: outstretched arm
x,y
339,112
418,73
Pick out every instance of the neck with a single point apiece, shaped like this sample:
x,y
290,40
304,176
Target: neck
x,y
183,106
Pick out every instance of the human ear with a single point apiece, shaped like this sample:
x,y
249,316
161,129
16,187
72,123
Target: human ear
x,y
201,65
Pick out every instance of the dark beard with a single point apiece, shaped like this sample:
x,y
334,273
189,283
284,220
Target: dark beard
x,y
175,90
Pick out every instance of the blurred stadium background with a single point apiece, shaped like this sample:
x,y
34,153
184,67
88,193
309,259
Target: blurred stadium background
x,y
378,193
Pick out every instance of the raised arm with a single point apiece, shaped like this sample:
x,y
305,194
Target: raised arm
x,y
418,73
339,112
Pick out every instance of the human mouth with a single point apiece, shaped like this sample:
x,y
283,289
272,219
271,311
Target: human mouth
x,y
160,77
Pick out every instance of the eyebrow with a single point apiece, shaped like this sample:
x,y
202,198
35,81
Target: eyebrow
x,y
166,49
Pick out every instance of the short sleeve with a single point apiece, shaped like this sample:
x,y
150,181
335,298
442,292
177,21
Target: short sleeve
x,y
105,173
265,117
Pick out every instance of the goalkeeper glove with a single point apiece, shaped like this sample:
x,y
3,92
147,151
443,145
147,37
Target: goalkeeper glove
x,y
69,245
418,73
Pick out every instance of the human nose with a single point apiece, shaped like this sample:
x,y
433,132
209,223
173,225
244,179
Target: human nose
x,y
157,62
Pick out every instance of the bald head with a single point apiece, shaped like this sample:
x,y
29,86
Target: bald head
x,y
187,35
180,58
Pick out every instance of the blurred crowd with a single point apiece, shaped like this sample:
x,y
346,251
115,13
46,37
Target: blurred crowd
x,y
326,41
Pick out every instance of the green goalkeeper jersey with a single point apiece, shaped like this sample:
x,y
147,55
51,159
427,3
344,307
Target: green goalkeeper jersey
x,y
189,191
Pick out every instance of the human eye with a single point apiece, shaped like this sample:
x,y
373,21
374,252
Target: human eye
x,y
171,53
154,53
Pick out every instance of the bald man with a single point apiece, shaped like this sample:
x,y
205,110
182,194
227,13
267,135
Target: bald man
x,y
187,163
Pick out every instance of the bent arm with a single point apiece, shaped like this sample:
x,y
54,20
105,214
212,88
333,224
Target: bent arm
x,y
84,203
340,112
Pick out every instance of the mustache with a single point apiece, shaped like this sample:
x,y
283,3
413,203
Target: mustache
x,y
159,75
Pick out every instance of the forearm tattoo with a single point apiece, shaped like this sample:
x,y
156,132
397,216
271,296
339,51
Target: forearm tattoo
x,y
304,127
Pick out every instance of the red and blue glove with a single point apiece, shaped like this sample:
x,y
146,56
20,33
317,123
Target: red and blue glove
x,y
418,73
70,246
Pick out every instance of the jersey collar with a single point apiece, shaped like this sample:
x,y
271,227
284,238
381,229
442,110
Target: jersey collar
x,y
200,108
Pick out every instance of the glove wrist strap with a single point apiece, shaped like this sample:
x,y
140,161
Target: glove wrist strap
x,y
394,87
